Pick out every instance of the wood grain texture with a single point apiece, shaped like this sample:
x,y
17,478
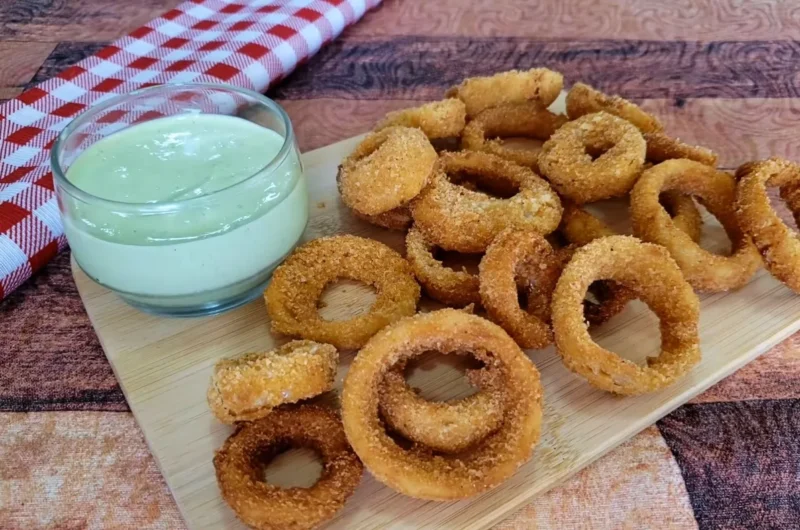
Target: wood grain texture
x,y
587,19
18,63
164,367
64,54
56,20
424,67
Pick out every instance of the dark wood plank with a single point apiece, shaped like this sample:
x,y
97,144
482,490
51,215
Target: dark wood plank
x,y
586,19
64,54
57,20
423,67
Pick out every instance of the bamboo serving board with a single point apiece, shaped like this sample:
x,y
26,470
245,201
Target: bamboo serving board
x,y
164,366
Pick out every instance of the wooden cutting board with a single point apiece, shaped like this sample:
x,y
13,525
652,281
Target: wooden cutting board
x,y
164,366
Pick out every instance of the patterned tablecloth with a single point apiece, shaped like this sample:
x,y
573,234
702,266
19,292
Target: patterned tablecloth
x,y
720,73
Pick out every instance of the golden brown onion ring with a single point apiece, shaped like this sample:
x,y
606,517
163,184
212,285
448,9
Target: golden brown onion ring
x,y
509,258
398,219
539,85
419,473
447,426
240,464
653,276
439,119
386,170
247,388
456,218
526,120
565,159
716,190
583,99
297,284
448,286
777,242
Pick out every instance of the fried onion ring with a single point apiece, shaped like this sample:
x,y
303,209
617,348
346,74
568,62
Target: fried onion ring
x,y
566,158
528,119
449,426
439,119
386,170
537,84
247,388
448,286
583,99
239,467
419,473
298,283
654,277
716,190
507,259
777,242
456,218
661,147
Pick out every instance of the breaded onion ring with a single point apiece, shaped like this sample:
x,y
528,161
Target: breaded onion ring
x,y
447,426
298,283
448,286
716,190
528,120
583,99
386,170
240,469
650,272
565,159
249,387
439,119
456,218
507,259
421,474
540,85
777,242
661,147
397,219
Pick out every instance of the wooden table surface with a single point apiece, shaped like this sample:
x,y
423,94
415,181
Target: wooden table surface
x,y
724,74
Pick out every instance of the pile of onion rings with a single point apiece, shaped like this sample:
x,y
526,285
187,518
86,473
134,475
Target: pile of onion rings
x,y
420,473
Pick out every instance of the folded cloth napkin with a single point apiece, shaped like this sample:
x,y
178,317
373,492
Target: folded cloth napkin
x,y
247,43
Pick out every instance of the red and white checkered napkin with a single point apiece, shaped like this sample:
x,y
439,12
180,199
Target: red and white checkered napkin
x,y
247,43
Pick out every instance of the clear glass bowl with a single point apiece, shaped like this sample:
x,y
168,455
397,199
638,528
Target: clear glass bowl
x,y
199,252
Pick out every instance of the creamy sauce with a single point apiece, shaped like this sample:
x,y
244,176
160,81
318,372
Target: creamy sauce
x,y
208,236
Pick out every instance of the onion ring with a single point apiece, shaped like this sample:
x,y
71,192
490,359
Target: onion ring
x,y
386,170
456,218
239,468
529,120
777,242
439,119
508,258
247,388
398,219
450,426
565,162
298,283
419,473
448,286
661,147
650,272
537,84
583,99
716,190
